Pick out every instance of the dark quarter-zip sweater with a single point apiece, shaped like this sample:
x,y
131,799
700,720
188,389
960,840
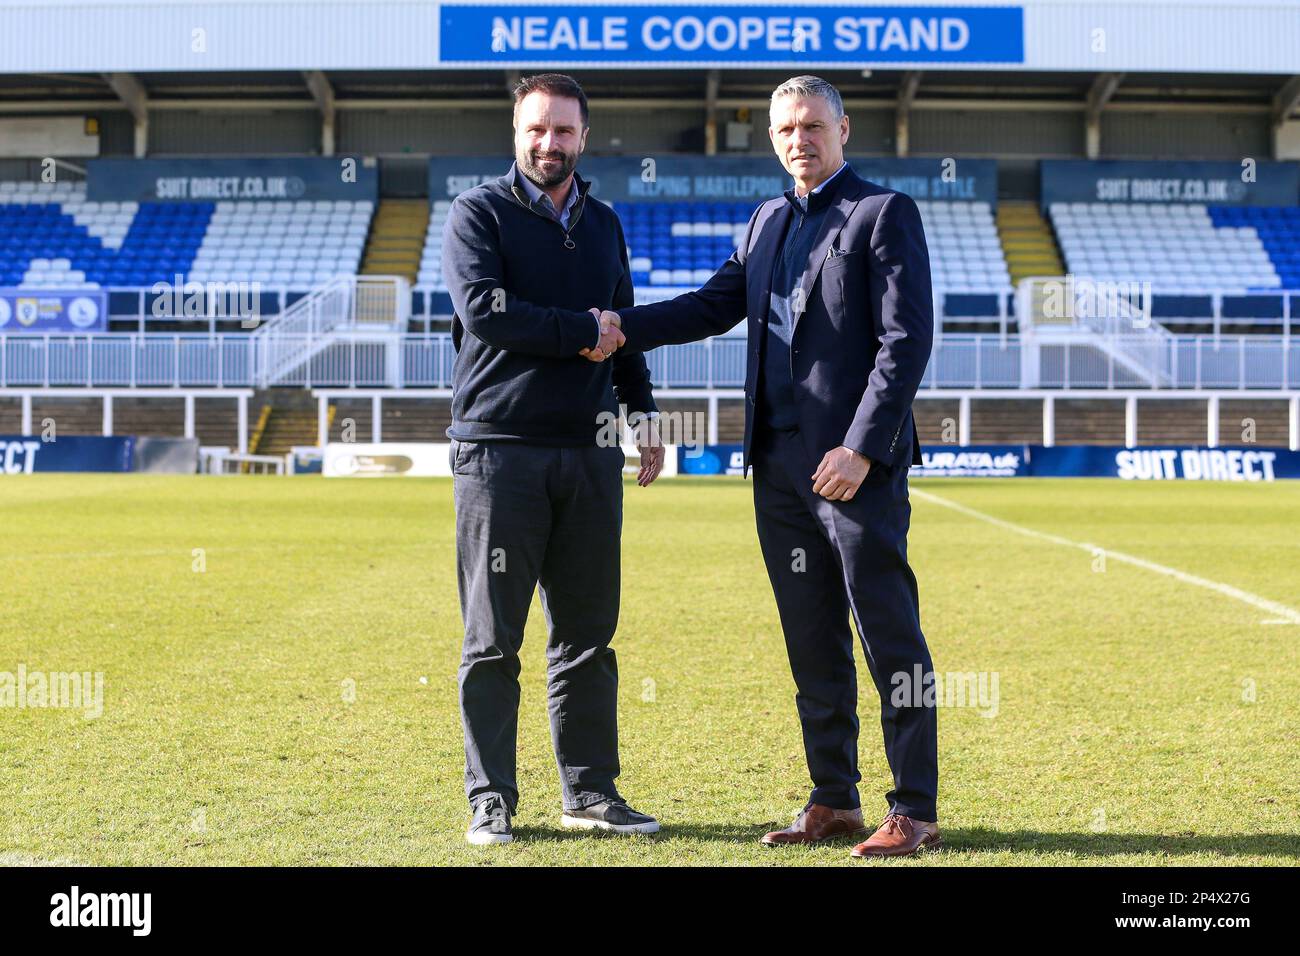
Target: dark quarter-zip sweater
x,y
522,287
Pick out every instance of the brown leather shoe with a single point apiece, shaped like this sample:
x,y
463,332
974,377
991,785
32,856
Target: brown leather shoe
x,y
900,836
816,823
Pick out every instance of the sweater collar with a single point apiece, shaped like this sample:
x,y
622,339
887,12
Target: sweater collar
x,y
514,180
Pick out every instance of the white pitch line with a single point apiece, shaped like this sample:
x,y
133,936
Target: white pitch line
x,y
1284,614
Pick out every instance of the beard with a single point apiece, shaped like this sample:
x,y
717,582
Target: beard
x,y
530,165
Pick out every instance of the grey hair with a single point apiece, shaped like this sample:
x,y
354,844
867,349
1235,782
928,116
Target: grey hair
x,y
805,86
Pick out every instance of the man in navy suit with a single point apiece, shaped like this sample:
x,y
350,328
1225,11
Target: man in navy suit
x,y
834,278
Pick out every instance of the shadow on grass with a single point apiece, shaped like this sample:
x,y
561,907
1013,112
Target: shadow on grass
x,y
978,840
703,833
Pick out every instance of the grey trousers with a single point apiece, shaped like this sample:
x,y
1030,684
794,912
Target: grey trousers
x,y
529,515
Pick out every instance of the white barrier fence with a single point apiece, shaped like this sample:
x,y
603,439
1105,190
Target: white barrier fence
x,y
131,360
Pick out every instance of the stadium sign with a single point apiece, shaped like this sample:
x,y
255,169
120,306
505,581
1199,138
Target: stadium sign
x,y
972,461
667,35
728,178
1249,183
237,180
1152,36
1068,461
51,310
386,460
711,460
1166,463
24,455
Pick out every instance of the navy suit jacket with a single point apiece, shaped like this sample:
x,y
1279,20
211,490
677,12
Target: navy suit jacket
x,y
860,344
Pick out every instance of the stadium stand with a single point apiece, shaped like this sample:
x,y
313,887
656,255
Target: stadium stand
x,y
295,244
1188,248
1278,229
966,253
672,245
680,244
52,237
429,276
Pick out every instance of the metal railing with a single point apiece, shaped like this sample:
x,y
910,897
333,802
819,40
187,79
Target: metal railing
x,y
365,305
104,360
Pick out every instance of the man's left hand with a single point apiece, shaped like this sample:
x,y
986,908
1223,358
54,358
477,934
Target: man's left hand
x,y
840,474
652,451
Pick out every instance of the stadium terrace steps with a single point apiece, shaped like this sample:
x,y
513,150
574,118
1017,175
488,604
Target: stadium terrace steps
x,y
992,421
1271,425
1171,421
150,416
396,240
285,428
997,421
930,415
426,420
416,420
71,416
255,440
290,419
11,416
404,419
216,422
1082,421
352,419
1094,421
1027,241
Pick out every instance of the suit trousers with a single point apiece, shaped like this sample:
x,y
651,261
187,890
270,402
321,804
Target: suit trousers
x,y
827,560
529,515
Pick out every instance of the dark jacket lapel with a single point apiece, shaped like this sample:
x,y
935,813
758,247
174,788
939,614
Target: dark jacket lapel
x,y
763,259
849,193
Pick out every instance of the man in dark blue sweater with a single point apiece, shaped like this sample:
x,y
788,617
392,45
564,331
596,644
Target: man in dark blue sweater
x,y
539,498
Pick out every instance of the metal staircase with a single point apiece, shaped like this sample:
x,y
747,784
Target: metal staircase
x,y
344,313
1113,319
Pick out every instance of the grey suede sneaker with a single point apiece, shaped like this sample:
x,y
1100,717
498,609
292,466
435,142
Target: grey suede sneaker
x,y
613,815
491,823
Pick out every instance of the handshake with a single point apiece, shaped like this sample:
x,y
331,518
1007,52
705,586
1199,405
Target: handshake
x,y
611,336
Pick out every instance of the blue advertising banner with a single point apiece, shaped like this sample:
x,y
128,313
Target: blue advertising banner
x,y
947,178
1163,463
1249,183
972,461
26,454
46,310
1168,463
630,178
728,178
710,460
238,180
666,34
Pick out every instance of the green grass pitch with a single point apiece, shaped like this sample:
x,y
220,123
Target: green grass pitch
x,y
279,660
